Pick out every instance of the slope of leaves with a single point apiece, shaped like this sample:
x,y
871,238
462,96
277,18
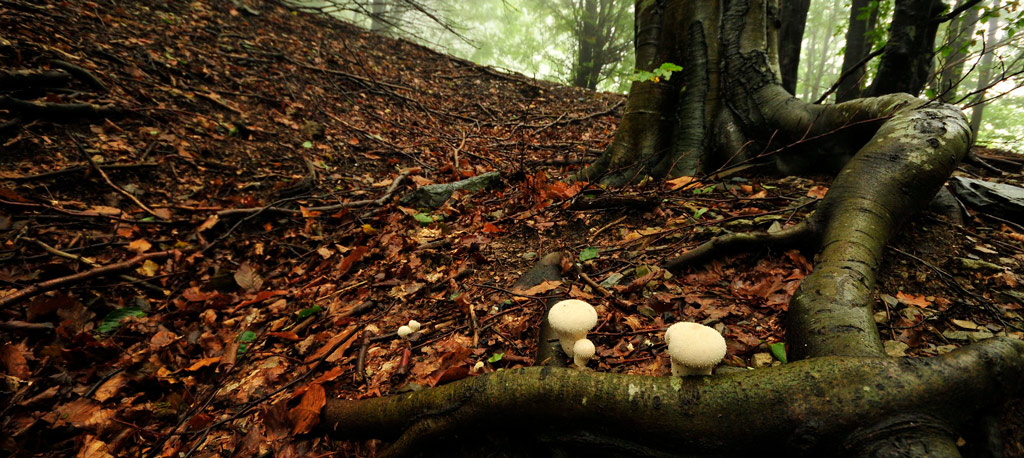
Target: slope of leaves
x,y
258,158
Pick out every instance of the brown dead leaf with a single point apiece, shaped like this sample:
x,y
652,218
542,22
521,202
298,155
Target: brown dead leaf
x,y
910,299
542,288
94,448
817,192
81,413
140,246
247,278
682,182
15,361
307,414
210,222
203,363
162,339
577,293
111,387
353,257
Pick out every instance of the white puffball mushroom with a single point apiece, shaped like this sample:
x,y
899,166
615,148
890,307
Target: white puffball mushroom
x,y
414,325
582,351
571,319
404,332
695,349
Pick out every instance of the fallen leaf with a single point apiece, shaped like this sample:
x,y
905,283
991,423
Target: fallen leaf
x,y
15,361
203,363
307,414
140,246
910,299
688,182
247,278
210,222
111,387
817,192
94,448
148,268
541,288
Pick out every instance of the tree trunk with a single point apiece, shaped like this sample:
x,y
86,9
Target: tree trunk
x,y
892,154
959,33
857,48
586,67
379,22
906,63
791,36
984,72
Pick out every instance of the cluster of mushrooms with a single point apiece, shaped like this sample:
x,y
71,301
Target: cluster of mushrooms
x,y
695,349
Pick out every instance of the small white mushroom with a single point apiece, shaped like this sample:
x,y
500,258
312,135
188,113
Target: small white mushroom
x,y
414,325
695,349
582,351
404,332
571,320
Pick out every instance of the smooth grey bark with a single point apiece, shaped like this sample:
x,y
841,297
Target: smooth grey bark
x,y
857,48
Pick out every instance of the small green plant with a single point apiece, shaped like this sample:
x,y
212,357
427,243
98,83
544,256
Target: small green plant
x,y
664,71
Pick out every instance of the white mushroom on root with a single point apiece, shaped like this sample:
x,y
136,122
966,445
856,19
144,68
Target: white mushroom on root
x,y
571,320
414,325
695,349
582,351
404,332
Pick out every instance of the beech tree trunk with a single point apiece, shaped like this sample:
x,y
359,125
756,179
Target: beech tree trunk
x,y
857,49
959,33
843,396
791,36
906,63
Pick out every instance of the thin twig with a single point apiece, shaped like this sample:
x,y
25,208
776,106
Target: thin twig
x,y
99,170
55,283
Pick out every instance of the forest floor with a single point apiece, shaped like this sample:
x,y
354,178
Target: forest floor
x,y
235,174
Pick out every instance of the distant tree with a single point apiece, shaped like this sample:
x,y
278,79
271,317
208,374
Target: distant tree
x,y
959,37
599,33
791,37
863,16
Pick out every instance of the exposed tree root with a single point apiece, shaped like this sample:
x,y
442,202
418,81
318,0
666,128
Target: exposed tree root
x,y
58,111
808,407
801,234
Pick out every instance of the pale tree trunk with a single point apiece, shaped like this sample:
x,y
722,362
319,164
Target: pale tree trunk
x,y
984,72
843,395
959,33
378,17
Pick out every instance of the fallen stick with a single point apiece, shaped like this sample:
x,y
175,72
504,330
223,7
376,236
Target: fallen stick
x,y
55,283
111,183
326,208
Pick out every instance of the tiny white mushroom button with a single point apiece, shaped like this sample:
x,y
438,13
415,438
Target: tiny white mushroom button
x,y
404,332
414,325
582,351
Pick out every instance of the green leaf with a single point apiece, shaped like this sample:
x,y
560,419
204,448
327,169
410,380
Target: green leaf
x,y
245,338
495,357
423,218
307,144
589,253
113,319
779,351
309,311
697,214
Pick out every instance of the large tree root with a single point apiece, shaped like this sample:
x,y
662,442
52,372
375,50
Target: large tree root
x,y
808,407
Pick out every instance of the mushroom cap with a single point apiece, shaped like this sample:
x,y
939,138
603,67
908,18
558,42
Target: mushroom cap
x,y
414,325
572,315
583,348
696,345
404,332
